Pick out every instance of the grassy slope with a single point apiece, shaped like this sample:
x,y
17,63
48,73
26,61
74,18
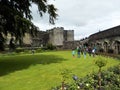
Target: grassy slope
x,y
42,70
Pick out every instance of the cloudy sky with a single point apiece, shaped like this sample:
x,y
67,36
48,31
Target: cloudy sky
x,y
85,17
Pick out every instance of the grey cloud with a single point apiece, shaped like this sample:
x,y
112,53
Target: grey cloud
x,y
84,16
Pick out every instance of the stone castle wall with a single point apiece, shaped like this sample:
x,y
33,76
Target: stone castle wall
x,y
112,32
71,44
107,40
70,35
58,35
55,36
64,39
27,39
41,39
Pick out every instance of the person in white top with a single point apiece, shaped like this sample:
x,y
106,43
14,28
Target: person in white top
x,y
93,52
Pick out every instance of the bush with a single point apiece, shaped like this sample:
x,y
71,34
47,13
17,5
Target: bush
x,y
18,50
39,50
110,81
50,47
100,62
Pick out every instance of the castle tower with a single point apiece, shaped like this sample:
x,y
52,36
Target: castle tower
x,y
70,35
56,36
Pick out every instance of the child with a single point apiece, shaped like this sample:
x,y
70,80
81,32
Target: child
x,y
73,52
33,51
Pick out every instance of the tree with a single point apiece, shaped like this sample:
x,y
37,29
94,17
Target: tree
x,y
15,17
100,63
2,40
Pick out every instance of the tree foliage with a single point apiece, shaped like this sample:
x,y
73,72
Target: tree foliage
x,y
15,17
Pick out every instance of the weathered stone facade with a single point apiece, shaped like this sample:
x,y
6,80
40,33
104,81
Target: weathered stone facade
x,y
108,40
71,44
69,35
57,36
41,39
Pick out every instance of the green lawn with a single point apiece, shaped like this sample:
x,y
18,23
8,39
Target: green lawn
x,y
41,71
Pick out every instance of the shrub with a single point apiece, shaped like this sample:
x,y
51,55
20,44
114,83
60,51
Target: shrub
x,y
50,47
110,81
18,50
39,50
100,62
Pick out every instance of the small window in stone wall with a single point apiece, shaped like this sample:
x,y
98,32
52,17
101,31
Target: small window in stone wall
x,y
110,51
101,50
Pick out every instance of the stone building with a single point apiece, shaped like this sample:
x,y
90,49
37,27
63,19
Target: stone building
x,y
27,39
41,39
107,40
71,44
57,36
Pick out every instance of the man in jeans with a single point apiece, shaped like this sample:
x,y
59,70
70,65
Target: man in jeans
x,y
78,52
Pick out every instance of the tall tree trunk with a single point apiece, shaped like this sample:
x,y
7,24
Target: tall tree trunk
x,y
1,43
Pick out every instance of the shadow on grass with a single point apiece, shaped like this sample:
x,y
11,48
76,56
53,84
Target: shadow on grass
x,y
15,63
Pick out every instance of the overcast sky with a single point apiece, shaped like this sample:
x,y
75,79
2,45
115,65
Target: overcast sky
x,y
85,17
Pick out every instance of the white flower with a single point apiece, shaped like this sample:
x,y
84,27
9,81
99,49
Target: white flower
x,y
87,84
78,87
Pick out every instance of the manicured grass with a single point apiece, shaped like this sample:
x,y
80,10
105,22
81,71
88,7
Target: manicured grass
x,y
41,71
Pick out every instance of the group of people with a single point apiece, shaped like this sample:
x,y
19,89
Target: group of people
x,y
83,50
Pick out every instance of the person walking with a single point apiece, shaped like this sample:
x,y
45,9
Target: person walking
x,y
84,52
78,52
89,51
93,52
